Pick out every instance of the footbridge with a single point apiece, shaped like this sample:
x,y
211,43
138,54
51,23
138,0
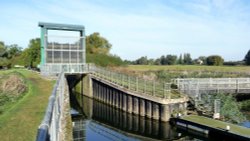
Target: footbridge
x,y
195,87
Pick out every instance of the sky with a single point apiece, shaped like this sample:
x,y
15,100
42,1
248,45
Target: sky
x,y
138,28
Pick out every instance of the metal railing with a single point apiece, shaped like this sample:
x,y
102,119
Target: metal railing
x,y
56,68
50,128
136,84
195,86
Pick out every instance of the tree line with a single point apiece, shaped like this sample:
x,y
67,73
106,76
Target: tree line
x,y
98,52
184,59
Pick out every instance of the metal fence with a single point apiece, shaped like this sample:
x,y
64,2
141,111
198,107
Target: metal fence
x,y
196,86
50,128
135,84
52,69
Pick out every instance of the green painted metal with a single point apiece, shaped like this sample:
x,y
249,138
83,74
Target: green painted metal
x,y
42,47
55,26
47,64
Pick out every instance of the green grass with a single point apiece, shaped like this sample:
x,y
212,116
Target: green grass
x,y
218,124
21,121
243,69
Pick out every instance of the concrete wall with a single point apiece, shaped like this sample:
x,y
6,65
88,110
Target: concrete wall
x,y
136,105
84,85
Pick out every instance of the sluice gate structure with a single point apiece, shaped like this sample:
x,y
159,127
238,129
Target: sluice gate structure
x,y
151,99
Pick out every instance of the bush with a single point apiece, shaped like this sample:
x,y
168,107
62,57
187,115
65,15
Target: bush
x,y
215,60
229,108
233,63
104,60
247,58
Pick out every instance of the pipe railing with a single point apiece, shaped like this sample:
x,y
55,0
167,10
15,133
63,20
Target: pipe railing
x,y
136,84
50,127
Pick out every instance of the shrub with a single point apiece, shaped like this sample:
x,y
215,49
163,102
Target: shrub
x,y
215,60
104,60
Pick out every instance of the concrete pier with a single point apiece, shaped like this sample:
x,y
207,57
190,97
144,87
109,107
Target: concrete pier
x,y
155,111
129,108
142,107
164,113
148,109
124,103
135,105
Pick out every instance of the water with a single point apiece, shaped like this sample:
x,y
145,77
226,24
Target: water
x,y
246,124
106,123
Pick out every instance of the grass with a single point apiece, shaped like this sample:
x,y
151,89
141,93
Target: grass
x,y
218,124
242,69
21,121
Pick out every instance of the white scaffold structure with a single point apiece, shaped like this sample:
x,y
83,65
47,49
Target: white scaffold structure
x,y
194,87
62,53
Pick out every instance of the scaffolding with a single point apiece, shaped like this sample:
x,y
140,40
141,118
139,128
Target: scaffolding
x,y
62,53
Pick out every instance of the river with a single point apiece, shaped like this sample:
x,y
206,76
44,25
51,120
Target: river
x,y
99,121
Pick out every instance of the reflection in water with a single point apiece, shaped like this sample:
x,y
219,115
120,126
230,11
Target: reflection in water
x,y
103,122
130,123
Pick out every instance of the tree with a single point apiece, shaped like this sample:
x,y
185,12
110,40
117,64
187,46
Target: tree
x,y
171,59
151,61
142,61
187,59
31,55
163,60
96,44
157,62
215,60
13,50
2,49
180,60
247,58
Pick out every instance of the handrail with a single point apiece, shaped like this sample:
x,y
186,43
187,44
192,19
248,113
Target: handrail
x,y
48,129
136,84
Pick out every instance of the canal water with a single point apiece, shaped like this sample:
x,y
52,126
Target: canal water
x,y
98,121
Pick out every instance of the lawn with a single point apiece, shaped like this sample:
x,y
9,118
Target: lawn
x,y
243,69
21,121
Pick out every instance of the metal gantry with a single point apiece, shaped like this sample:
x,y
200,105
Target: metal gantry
x,y
58,54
